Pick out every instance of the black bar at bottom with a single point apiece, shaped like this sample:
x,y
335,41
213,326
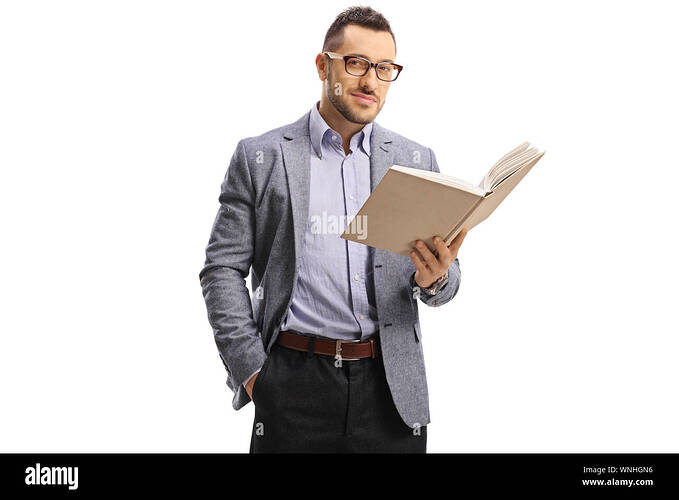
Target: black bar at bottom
x,y
223,474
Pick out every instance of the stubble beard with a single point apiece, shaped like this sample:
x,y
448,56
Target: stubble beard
x,y
341,107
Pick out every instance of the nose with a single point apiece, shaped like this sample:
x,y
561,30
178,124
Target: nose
x,y
369,81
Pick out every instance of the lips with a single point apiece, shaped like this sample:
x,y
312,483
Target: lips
x,y
365,99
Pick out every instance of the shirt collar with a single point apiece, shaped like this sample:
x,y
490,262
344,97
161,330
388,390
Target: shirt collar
x,y
318,127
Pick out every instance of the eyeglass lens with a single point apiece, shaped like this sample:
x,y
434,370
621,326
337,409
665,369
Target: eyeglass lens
x,y
359,67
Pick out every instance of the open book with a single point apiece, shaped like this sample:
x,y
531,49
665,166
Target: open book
x,y
410,204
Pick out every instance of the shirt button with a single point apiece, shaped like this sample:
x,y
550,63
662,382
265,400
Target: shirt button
x,y
362,317
356,277
351,196
334,137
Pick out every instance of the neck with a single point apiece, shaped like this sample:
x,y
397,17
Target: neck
x,y
338,123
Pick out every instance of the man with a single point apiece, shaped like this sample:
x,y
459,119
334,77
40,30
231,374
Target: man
x,y
328,348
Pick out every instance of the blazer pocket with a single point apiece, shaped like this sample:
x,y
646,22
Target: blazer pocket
x,y
418,333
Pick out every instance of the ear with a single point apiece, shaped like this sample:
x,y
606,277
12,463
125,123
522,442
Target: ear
x,y
322,66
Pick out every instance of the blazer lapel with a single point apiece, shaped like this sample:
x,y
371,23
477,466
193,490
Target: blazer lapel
x,y
296,150
381,160
381,157
295,147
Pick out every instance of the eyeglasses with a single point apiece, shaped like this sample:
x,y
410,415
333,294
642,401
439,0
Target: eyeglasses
x,y
359,66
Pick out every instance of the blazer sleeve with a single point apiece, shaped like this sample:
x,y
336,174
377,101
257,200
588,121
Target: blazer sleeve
x,y
450,289
229,255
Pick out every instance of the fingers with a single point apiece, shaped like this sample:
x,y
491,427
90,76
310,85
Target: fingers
x,y
429,258
443,252
457,242
435,263
419,264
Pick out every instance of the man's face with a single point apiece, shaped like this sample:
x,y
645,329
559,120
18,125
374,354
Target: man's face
x,y
359,98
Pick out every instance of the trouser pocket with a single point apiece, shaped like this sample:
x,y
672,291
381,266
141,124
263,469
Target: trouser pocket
x,y
257,388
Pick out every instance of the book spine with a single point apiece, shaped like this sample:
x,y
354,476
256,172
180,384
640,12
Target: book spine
x,y
449,237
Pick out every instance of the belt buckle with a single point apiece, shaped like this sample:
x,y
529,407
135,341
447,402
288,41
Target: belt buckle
x,y
338,350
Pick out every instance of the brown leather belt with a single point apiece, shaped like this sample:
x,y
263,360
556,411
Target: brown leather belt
x,y
347,350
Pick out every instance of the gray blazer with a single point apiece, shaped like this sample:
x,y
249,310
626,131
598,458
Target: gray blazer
x,y
260,225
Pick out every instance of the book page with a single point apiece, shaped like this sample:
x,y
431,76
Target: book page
x,y
508,165
448,180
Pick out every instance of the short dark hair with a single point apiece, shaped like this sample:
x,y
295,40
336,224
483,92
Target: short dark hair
x,y
360,16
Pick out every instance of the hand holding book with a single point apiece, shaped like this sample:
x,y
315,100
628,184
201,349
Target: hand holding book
x,y
430,266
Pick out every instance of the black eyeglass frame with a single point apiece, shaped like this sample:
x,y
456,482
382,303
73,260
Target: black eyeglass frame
x,y
334,55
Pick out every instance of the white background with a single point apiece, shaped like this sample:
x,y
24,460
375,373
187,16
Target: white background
x,y
118,119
